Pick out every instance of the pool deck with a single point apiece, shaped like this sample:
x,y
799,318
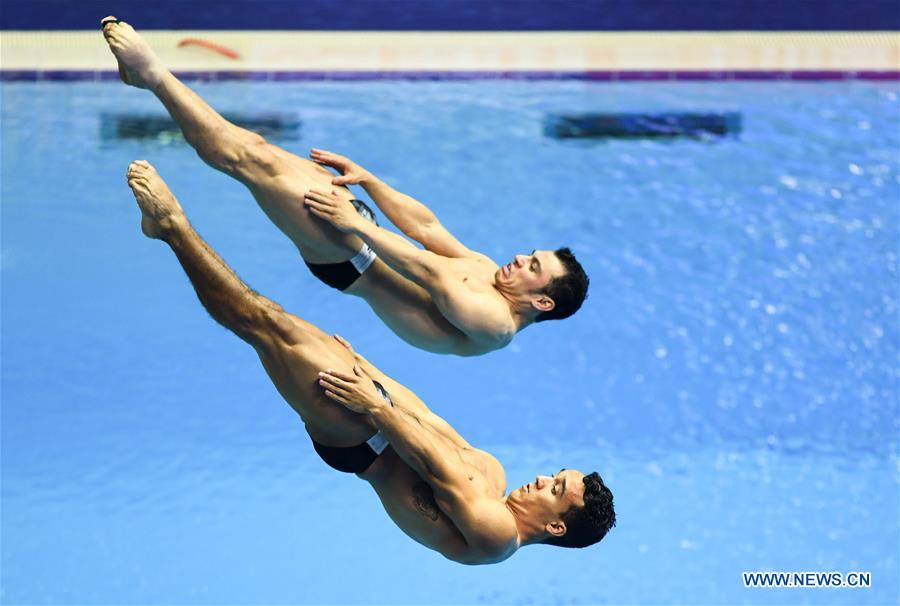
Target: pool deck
x,y
360,55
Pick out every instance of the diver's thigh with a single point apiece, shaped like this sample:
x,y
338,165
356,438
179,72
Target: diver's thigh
x,y
317,173
281,198
294,370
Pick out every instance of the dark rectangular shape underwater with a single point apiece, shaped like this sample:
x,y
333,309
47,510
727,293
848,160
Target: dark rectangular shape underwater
x,y
629,125
280,127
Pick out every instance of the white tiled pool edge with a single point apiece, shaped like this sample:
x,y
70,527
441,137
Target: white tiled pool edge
x,y
443,52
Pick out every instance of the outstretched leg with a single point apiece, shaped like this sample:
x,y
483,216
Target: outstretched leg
x,y
292,350
277,178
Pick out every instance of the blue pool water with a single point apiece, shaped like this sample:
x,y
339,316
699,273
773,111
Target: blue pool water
x,y
733,375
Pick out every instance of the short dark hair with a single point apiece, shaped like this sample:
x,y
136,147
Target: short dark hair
x,y
587,525
568,291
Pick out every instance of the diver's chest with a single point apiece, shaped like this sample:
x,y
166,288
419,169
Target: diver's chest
x,y
473,275
484,472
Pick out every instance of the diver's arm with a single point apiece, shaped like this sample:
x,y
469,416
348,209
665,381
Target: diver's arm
x,y
409,215
476,315
414,439
403,397
484,523
420,266
414,219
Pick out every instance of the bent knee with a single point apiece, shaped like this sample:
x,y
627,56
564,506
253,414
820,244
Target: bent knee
x,y
276,327
246,156
256,158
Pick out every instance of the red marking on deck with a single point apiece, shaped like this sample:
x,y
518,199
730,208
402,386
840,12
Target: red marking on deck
x,y
216,48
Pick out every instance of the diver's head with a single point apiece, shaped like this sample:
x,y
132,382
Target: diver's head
x,y
553,282
569,509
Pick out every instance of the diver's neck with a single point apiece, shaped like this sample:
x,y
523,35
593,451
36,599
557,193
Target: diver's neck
x,y
520,309
528,531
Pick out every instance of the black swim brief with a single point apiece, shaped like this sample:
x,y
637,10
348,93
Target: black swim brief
x,y
342,275
355,459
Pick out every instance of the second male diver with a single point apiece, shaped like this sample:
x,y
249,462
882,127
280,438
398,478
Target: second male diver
x,y
446,298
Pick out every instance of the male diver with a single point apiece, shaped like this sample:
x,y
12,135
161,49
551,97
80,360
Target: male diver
x,y
446,298
440,490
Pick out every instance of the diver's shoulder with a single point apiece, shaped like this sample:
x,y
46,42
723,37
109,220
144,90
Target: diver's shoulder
x,y
486,341
488,551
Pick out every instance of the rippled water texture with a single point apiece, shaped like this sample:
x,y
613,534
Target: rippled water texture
x,y
733,375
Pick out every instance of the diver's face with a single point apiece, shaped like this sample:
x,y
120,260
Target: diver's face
x,y
530,273
554,495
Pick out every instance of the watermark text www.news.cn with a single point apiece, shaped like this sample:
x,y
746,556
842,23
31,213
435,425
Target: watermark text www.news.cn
x,y
807,579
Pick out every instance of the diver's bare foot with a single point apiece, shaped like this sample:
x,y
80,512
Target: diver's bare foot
x,y
138,64
161,212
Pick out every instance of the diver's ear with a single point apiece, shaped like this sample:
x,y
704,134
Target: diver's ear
x,y
556,529
543,303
